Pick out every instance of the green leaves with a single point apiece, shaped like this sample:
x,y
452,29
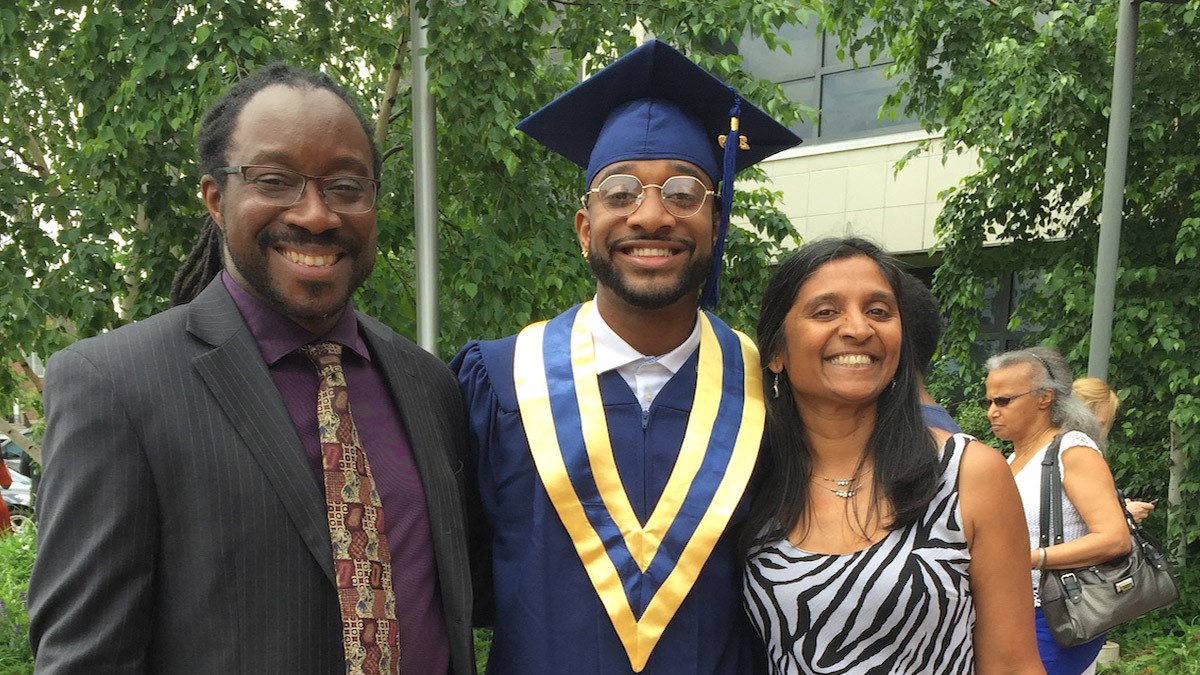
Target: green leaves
x,y
1029,92
515,7
95,222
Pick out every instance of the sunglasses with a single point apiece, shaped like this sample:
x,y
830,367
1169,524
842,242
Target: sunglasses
x,y
1001,401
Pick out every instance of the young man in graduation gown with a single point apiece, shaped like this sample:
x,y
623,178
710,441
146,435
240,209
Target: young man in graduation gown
x,y
615,441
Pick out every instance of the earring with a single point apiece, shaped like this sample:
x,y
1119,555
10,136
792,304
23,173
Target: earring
x,y
775,387
584,252
892,386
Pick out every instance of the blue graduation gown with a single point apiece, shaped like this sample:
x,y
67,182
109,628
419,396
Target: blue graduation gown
x,y
548,617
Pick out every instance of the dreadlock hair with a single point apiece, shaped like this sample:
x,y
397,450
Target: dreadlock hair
x,y
204,261
906,463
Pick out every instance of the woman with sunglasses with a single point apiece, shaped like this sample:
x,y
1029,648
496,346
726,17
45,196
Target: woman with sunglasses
x,y
878,544
1029,403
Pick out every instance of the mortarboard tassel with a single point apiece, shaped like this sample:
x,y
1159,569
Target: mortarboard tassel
x,y
710,296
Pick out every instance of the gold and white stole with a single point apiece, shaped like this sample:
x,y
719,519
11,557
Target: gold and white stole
x,y
558,392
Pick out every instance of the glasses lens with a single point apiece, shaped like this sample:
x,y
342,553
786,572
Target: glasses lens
x,y
281,187
274,185
1000,401
683,195
348,194
620,194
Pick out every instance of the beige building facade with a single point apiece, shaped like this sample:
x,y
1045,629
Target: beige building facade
x,y
864,187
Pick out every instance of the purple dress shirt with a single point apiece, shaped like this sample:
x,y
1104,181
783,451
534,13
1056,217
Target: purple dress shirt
x,y
423,643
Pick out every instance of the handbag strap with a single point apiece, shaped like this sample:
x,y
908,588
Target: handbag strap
x,y
1129,520
1051,513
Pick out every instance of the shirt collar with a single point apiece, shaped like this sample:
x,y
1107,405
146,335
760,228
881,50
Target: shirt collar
x,y
277,335
612,351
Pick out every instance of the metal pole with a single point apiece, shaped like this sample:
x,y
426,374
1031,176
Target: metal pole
x,y
1114,191
424,187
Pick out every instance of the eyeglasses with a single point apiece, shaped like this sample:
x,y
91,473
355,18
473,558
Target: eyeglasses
x,y
621,194
284,187
1001,401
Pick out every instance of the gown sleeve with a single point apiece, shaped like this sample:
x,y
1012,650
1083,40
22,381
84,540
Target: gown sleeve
x,y
480,401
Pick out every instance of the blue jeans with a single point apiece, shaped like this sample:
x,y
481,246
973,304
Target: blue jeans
x,y
1063,660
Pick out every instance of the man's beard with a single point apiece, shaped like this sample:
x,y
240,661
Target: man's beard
x,y
254,270
689,282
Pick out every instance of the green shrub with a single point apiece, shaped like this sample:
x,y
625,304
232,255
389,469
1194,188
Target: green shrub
x,y
483,644
16,562
1176,652
1166,640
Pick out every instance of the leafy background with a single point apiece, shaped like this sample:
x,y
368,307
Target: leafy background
x,y
99,187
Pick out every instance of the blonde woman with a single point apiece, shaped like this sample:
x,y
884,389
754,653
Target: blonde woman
x,y
1104,403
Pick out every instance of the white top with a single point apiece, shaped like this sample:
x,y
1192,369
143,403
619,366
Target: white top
x,y
1029,484
645,375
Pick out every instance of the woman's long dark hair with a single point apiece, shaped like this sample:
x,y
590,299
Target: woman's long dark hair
x,y
906,466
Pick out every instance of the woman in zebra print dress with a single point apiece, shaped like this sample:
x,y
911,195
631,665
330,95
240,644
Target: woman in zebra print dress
x,y
871,550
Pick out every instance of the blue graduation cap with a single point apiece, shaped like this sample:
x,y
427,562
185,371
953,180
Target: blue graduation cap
x,y
655,103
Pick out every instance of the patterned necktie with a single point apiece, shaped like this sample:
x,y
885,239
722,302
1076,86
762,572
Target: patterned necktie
x,y
362,561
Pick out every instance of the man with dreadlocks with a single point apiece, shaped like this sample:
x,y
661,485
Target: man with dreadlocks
x,y
260,479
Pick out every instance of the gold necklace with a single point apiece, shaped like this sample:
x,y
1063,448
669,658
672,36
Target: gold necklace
x,y
846,487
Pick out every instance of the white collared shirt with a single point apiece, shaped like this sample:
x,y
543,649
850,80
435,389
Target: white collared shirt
x,y
645,375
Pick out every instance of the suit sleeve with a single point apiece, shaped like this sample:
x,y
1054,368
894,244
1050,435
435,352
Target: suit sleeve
x,y
90,595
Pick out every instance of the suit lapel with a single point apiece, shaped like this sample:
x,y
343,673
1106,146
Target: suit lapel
x,y
425,438
236,374
397,367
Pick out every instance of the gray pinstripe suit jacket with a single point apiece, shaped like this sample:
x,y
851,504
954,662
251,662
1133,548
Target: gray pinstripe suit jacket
x,y
180,531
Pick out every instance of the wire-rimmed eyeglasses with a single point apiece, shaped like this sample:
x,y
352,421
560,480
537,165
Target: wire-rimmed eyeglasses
x,y
283,187
622,194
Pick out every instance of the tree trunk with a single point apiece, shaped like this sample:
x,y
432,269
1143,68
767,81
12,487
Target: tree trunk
x,y
1174,497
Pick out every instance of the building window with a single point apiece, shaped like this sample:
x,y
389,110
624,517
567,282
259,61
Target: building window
x,y
847,98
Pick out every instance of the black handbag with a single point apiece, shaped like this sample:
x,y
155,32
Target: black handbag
x,y
1081,604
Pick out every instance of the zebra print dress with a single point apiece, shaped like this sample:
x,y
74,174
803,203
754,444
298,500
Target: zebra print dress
x,y
900,606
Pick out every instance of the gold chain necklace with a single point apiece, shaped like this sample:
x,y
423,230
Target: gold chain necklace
x,y
846,487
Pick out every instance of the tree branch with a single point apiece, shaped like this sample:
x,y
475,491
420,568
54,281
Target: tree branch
x,y
393,82
25,159
14,434
39,159
391,151
28,370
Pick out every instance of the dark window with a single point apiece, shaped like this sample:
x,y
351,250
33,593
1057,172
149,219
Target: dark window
x,y
779,66
847,98
1003,299
850,102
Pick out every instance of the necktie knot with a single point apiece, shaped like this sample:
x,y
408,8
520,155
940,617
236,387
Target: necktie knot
x,y
323,353
327,358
